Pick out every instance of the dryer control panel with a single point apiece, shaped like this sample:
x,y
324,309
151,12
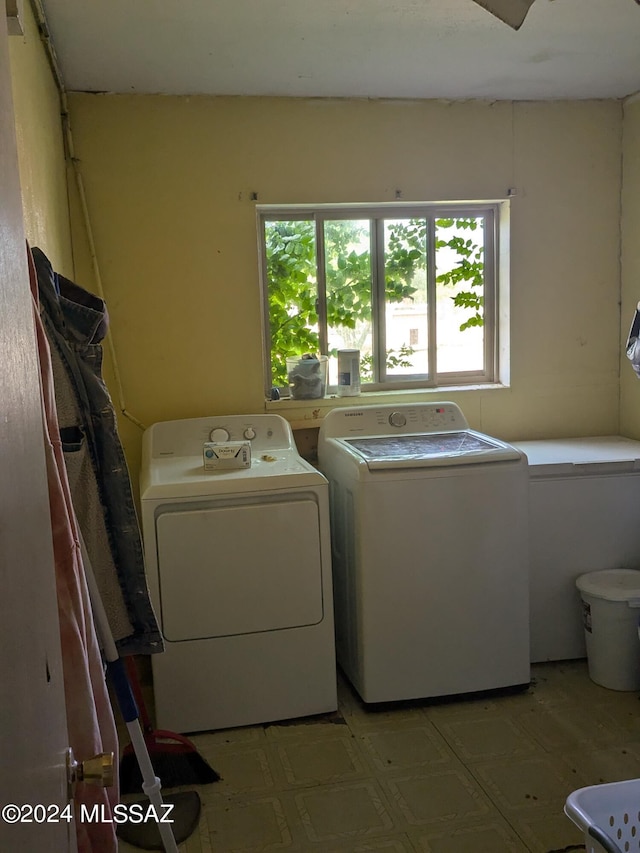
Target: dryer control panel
x,y
264,433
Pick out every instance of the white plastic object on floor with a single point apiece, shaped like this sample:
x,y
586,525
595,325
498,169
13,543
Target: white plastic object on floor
x,y
609,816
611,606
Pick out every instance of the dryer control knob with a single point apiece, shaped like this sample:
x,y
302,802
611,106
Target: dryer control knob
x,y
249,433
219,434
397,419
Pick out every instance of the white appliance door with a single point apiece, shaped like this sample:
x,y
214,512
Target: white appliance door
x,y
236,569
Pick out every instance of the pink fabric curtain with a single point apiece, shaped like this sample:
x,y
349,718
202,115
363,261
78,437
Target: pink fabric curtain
x,y
90,719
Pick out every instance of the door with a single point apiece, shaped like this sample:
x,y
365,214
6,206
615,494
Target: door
x,y
33,731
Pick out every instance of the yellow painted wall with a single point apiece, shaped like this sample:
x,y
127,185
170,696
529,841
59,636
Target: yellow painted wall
x,y
51,206
629,383
168,185
43,177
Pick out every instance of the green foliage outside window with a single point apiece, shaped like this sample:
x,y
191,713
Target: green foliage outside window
x,y
292,279
469,268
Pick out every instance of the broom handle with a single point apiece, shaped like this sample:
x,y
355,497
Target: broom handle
x,y
150,782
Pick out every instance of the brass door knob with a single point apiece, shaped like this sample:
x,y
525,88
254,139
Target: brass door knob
x,y
98,770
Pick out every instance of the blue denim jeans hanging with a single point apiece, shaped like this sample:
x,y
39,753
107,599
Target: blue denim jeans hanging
x,y
76,323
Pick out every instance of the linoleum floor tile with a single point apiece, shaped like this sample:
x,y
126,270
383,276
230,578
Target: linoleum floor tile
x,y
244,770
363,717
390,748
572,727
474,774
568,681
525,785
549,831
439,798
319,762
605,764
463,708
561,682
492,835
624,708
485,737
209,744
333,814
396,844
248,824
204,835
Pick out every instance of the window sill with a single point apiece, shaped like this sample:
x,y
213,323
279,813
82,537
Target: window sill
x,y
307,414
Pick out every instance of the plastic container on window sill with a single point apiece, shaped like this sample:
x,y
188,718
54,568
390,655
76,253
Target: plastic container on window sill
x,y
307,377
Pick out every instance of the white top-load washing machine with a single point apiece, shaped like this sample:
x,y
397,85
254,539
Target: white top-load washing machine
x,y
430,552
584,500
239,570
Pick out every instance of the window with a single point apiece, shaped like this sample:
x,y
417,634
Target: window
x,y
412,287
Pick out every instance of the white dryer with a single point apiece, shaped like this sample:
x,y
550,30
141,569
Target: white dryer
x,y
239,570
430,552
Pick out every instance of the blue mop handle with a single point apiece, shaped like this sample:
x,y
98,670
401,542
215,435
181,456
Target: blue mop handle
x,y
122,688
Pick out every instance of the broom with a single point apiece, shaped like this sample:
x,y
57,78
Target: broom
x,y
175,758
162,834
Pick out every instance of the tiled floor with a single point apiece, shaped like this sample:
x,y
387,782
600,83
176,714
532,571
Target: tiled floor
x,y
488,775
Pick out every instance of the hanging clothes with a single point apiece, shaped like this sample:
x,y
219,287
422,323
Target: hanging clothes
x,y
76,322
90,722
633,342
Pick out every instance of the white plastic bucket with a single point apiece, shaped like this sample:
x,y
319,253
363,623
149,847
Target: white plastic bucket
x,y
611,609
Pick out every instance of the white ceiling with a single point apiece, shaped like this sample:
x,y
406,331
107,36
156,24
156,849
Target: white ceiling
x,y
347,48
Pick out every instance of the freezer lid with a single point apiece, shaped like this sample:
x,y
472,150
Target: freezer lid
x,y
430,449
575,457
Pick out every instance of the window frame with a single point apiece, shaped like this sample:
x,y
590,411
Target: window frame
x,y
377,213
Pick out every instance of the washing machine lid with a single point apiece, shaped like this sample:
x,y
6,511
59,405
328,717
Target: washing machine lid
x,y
463,447
576,457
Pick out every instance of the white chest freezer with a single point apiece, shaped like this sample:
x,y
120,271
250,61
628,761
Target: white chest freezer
x,y
584,516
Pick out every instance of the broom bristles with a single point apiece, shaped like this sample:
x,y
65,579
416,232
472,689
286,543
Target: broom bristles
x,y
172,765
